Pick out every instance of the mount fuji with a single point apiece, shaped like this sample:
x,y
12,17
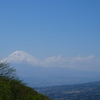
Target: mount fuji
x,y
33,71
21,57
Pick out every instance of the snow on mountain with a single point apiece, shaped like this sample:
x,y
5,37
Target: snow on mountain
x,y
21,56
89,63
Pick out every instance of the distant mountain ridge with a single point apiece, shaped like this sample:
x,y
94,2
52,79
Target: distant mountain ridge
x,y
50,71
86,91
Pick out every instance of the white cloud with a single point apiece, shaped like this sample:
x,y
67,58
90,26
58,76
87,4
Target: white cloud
x,y
79,63
66,61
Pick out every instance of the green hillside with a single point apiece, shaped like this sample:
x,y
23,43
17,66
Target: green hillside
x,y
11,88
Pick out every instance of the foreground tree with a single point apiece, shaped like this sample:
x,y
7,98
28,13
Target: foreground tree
x,y
6,71
12,88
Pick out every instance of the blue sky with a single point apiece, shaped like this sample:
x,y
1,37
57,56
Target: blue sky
x,y
46,28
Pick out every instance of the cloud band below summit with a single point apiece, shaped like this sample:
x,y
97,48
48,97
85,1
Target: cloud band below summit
x,y
90,63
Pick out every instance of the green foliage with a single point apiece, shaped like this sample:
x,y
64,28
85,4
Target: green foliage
x,y
11,88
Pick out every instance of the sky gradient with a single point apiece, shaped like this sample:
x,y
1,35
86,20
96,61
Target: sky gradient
x,y
45,28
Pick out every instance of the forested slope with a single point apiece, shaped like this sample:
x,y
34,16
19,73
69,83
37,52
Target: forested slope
x,y
12,88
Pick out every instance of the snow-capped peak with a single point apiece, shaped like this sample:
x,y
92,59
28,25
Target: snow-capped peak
x,y
18,53
21,56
